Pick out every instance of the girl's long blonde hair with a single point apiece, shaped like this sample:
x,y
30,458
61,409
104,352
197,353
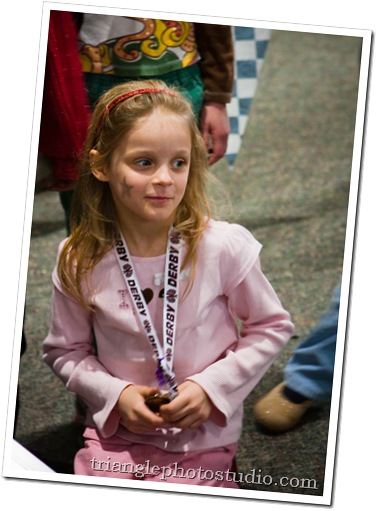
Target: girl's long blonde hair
x,y
94,222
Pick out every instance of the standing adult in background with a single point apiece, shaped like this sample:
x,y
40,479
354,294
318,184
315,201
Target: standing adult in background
x,y
197,58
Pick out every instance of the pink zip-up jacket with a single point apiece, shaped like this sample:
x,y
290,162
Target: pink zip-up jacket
x,y
231,326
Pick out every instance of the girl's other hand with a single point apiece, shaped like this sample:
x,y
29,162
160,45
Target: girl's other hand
x,y
189,409
135,415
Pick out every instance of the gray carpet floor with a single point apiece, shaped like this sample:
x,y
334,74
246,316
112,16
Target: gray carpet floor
x,y
290,187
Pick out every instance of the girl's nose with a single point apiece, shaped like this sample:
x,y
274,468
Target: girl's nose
x,y
163,175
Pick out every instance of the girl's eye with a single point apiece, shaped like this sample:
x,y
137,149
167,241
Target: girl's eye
x,y
143,162
178,164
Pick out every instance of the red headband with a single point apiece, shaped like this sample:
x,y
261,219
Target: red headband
x,y
125,96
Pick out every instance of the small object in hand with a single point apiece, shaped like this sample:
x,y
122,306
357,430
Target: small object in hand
x,y
154,402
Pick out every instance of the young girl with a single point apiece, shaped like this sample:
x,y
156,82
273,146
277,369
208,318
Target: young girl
x,y
185,323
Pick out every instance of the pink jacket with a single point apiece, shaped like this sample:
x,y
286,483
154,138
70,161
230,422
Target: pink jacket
x,y
210,349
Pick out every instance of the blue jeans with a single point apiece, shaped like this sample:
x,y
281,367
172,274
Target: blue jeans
x,y
311,366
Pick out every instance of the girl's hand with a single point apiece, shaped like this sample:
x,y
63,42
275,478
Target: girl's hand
x,y
189,409
135,415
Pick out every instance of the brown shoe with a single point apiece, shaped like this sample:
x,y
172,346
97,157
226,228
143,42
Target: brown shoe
x,y
277,413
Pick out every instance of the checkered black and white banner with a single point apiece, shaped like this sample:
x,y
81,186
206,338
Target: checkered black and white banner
x,y
250,45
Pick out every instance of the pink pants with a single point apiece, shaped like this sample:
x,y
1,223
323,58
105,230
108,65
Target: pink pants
x,y
148,463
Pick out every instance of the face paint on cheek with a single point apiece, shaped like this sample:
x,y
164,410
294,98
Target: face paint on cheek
x,y
126,187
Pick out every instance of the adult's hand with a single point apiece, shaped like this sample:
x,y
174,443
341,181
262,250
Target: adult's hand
x,y
215,128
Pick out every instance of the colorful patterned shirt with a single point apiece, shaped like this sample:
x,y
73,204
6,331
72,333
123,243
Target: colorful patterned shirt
x,y
135,46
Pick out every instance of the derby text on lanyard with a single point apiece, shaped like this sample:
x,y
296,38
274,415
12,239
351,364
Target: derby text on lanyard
x,y
163,353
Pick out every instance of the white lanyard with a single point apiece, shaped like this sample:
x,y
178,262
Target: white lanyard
x,y
163,354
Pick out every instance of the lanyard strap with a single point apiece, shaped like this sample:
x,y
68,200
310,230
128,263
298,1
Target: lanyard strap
x,y
164,353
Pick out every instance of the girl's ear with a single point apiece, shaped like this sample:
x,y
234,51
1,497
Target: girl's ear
x,y
99,173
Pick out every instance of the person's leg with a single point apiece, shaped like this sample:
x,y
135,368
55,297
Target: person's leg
x,y
214,467
309,372
66,201
125,460
308,376
189,82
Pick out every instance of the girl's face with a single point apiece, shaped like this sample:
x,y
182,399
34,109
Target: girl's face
x,y
149,170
